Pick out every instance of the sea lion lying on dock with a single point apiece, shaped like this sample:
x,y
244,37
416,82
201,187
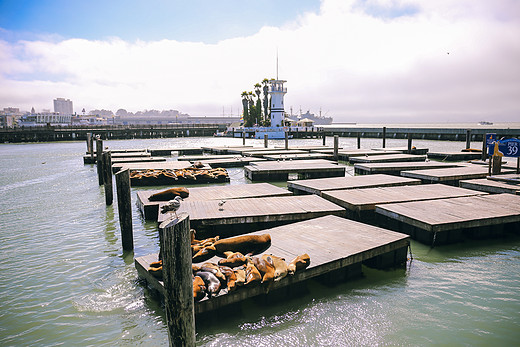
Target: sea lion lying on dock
x,y
211,281
252,273
233,259
231,277
169,194
199,288
265,265
245,244
299,263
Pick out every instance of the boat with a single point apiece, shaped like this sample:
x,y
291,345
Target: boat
x,y
483,122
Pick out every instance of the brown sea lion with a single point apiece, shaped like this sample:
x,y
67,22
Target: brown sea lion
x,y
231,277
281,268
211,281
299,263
195,268
264,264
240,273
169,194
252,273
204,254
244,244
156,263
156,272
199,288
233,259
215,270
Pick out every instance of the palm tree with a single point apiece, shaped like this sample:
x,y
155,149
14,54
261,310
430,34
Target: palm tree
x,y
265,82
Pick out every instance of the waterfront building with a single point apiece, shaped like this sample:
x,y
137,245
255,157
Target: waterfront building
x,y
63,106
277,92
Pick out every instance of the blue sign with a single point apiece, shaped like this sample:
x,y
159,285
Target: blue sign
x,y
506,148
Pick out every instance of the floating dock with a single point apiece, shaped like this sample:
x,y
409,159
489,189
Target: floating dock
x,y
225,149
361,203
450,176
236,161
150,209
179,151
491,186
337,248
387,158
396,168
454,156
161,165
237,215
450,220
274,151
414,150
320,185
137,160
275,170
299,156
88,159
193,158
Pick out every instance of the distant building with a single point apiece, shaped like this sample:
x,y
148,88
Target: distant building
x,y
44,119
63,106
8,117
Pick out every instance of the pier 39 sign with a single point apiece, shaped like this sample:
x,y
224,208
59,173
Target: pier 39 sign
x,y
506,147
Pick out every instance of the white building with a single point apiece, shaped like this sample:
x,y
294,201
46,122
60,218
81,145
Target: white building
x,y
63,106
277,92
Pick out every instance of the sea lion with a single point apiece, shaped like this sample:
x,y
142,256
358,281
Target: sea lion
x,y
199,288
215,270
156,272
299,263
245,244
252,273
195,268
231,277
233,259
204,254
169,194
240,273
265,265
211,281
281,268
156,263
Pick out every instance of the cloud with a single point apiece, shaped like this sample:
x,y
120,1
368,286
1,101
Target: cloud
x,y
362,61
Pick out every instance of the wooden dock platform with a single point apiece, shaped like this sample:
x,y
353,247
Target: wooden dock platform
x,y
345,154
414,150
508,178
337,247
137,160
199,157
491,186
454,156
320,185
360,203
160,165
387,158
299,156
273,151
236,161
275,170
450,220
236,216
179,151
396,168
150,209
87,159
225,149
450,176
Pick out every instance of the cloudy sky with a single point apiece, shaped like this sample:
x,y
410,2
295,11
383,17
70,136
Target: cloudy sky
x,y
359,61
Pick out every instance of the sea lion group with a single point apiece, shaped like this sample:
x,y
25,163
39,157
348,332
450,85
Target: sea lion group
x,y
235,269
185,175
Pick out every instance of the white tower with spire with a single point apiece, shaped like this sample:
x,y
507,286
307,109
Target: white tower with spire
x,y
277,92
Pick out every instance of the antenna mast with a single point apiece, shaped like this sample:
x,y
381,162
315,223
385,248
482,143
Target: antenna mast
x,y
276,62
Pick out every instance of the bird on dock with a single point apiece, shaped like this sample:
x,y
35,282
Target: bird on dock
x,y
220,204
173,205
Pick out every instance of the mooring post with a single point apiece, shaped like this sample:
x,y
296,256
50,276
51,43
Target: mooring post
x,y
468,138
484,148
358,141
89,149
107,177
409,143
384,137
324,137
336,144
496,166
124,205
99,160
244,137
178,283
286,140
265,140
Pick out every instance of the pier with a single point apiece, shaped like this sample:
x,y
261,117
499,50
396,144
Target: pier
x,y
396,168
280,170
387,158
336,255
450,176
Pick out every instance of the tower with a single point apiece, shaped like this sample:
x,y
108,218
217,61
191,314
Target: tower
x,y
277,92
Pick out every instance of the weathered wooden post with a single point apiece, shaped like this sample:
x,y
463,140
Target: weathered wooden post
x,y
99,160
286,140
89,143
358,141
244,137
496,165
324,137
384,137
107,177
336,143
91,147
178,283
484,148
409,143
124,205
265,140
468,138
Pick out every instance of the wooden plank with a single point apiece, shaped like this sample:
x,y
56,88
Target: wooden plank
x,y
319,185
491,186
456,213
299,156
396,168
387,158
204,213
235,161
331,242
273,151
171,164
138,160
451,175
226,149
415,150
150,209
454,156
193,158
273,169
366,199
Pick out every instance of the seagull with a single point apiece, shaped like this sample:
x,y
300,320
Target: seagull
x,y
173,205
220,204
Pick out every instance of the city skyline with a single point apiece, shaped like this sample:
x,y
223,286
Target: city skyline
x,y
358,61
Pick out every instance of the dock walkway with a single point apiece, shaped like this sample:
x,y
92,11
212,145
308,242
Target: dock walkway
x,y
337,247
450,176
299,156
160,165
235,161
274,170
491,186
454,156
449,220
320,185
387,158
396,168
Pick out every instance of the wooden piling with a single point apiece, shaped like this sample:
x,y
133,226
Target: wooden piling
x,y
286,140
92,147
107,177
496,165
484,148
384,137
324,138
178,283
124,204
468,138
244,137
265,140
358,141
99,160
409,142
89,143
336,143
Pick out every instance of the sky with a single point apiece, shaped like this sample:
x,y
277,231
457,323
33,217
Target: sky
x,y
364,61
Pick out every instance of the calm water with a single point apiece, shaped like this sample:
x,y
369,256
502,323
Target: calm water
x,y
65,281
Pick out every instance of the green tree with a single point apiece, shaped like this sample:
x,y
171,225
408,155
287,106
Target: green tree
x,y
267,119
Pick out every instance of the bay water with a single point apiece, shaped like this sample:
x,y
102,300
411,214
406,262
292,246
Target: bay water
x,y
64,279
